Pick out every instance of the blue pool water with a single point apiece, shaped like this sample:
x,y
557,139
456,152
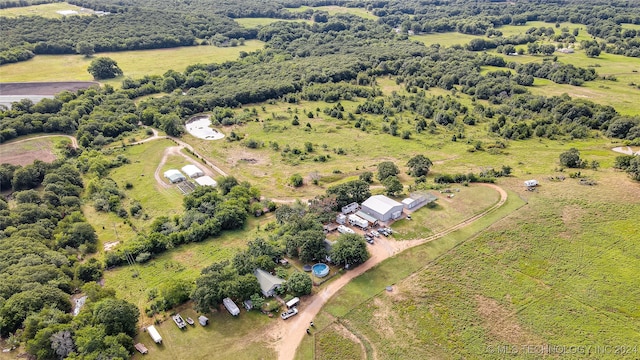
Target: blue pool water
x,y
320,270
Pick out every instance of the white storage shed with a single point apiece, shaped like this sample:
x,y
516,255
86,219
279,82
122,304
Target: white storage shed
x,y
192,171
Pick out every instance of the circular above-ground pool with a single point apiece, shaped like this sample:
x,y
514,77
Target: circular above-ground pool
x,y
320,270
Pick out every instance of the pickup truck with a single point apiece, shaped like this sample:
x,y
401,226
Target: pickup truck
x,y
289,313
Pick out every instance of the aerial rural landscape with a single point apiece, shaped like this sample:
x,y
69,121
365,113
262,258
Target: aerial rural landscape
x,y
319,179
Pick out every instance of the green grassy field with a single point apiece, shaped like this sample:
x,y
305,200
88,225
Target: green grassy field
x,y
559,271
465,203
44,10
332,10
444,39
257,22
134,64
225,337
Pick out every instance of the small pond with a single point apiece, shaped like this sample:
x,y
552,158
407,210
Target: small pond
x,y
200,127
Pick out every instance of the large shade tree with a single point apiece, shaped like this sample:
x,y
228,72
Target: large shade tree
x,y
104,68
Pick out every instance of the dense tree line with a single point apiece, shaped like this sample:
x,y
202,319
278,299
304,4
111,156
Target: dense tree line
x,y
133,29
43,238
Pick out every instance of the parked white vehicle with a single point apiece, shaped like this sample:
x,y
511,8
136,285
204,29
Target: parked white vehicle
x,y
289,313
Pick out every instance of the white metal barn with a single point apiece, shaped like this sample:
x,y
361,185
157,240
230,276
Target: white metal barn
x,y
174,176
531,183
192,171
206,181
382,208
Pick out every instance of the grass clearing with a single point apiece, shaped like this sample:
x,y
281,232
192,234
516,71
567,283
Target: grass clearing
x,y
336,342
444,39
25,151
465,203
226,336
44,10
333,10
258,22
134,64
181,264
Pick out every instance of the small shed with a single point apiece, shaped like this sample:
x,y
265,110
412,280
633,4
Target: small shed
x,y
141,348
347,209
341,219
231,306
293,302
203,320
206,181
192,171
531,183
174,176
418,200
155,335
248,304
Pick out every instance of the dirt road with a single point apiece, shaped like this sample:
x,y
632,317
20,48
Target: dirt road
x,y
627,150
74,142
176,150
294,329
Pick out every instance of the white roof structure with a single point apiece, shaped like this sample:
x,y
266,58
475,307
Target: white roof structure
x,y
531,183
155,335
408,201
192,171
174,176
206,181
380,203
231,306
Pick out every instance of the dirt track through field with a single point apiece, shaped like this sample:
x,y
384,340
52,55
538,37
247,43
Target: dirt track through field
x,y
293,330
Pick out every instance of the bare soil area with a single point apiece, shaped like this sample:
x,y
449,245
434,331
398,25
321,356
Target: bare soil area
x,y
43,88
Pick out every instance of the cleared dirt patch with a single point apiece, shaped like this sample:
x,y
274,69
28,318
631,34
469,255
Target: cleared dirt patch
x,y
24,152
43,88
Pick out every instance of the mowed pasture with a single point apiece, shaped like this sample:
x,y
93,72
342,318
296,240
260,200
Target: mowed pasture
x,y
134,64
44,10
558,271
333,10
258,22
247,336
25,151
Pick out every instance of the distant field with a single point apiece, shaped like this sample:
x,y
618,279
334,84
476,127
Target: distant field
x,y
618,94
332,10
510,30
444,39
44,10
256,22
631,26
135,64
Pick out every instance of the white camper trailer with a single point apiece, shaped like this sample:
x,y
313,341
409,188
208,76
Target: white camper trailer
x,y
155,335
356,220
